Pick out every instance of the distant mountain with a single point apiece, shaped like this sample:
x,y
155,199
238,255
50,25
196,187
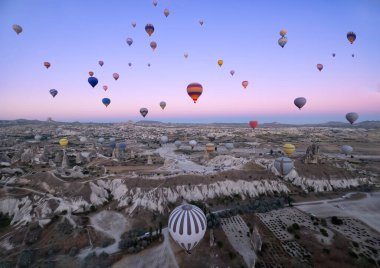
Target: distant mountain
x,y
148,122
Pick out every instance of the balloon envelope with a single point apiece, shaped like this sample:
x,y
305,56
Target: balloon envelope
x,y
129,41
220,63
177,144
53,92
300,102
186,55
194,90
253,124
155,2
143,111
115,76
149,28
283,165
133,24
187,226
244,84
192,143
93,81
47,64
105,87
282,41
164,139
210,147
289,149
319,66
17,28
106,101
91,73
153,45
351,36
232,72
63,142
283,32
352,117
166,12
162,104
101,63
201,22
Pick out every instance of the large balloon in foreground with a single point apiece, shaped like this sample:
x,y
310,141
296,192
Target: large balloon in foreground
x,y
91,73
283,165
149,28
63,142
143,111
192,143
106,101
105,87
153,45
129,41
299,102
289,149
162,105
244,84
166,12
187,226
53,92
346,149
283,32
101,63
194,90
115,76
93,81
253,124
47,64
220,63
17,28
352,117
232,72
282,41
319,66
351,36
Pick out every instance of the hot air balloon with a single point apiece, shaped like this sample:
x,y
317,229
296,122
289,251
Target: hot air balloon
x,y
122,146
283,165
187,226
129,41
333,54
115,76
153,45
177,144
229,146
195,91
130,64
101,140
232,72
300,102
282,41
47,64
93,81
210,148
106,101
91,73
353,55
220,63
112,139
186,55
148,64
192,144
149,28
53,92
351,36
37,137
253,124
244,84
166,12
63,142
319,66
352,117
201,22
143,111
105,87
164,139
162,104
155,3
288,149
101,63
113,144
346,149
283,32
17,28
82,139
133,24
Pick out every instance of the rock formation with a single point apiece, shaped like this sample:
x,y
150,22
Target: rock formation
x,y
312,154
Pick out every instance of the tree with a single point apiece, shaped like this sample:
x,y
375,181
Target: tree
x,y
160,223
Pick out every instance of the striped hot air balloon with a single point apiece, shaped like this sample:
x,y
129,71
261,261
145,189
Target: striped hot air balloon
x,y
187,226
351,36
194,90
149,28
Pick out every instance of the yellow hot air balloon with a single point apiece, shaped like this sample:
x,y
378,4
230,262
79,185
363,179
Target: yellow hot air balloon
x,y
283,32
289,149
220,63
63,142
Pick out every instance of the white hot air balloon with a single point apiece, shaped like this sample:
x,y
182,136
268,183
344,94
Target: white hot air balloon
x,y
187,226
101,140
112,139
164,139
192,144
37,137
177,144
346,149
82,139
229,146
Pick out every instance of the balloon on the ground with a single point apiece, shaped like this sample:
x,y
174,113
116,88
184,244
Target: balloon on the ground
x,y
153,45
220,63
351,36
283,32
194,90
115,76
319,66
346,149
101,140
229,146
282,41
253,124
210,147
129,41
149,28
143,111
82,139
47,64
63,142
101,63
93,81
283,165
192,143
37,137
53,92
244,84
122,146
164,139
299,102
106,101
162,105
187,226
166,12
352,117
112,139
177,144
289,149
17,28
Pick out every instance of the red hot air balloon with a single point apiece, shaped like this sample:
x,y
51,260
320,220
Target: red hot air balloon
x,y
194,90
253,124
244,84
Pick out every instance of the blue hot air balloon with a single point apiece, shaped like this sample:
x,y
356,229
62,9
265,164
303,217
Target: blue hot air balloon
x,y
122,146
93,81
53,92
113,144
106,101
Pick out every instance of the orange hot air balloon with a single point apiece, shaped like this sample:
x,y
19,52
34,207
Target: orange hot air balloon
x,y
105,87
220,63
91,73
153,45
195,91
149,28
47,64
245,84
253,124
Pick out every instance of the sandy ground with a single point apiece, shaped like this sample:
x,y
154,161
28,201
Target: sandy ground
x,y
156,257
366,209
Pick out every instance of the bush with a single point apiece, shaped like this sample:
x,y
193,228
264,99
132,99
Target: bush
x,y
220,244
290,229
324,232
295,226
335,220
323,222
232,255
352,254
326,251
297,236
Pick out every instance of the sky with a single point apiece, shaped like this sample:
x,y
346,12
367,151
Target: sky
x,y
74,35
